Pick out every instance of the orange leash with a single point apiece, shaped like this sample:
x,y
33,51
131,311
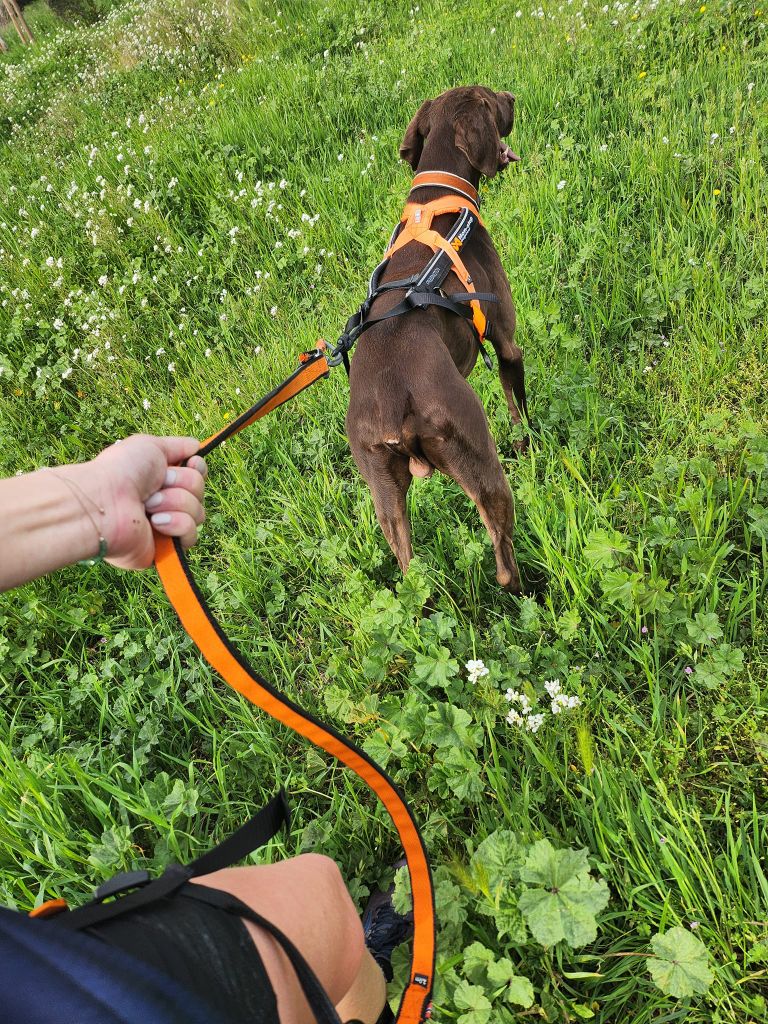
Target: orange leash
x,y
204,629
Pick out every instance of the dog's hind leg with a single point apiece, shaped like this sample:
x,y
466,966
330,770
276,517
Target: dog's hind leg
x,y
389,478
471,460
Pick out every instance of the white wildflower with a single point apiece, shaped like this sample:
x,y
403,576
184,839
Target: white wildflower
x,y
476,669
562,701
552,686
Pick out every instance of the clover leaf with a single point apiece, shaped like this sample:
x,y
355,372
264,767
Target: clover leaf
x,y
436,668
517,988
449,726
679,965
723,662
497,860
566,898
477,959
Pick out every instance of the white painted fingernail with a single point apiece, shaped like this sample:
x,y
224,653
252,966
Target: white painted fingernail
x,y
170,477
153,500
161,518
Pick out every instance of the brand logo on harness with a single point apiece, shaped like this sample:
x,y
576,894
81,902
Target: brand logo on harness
x,y
457,244
421,979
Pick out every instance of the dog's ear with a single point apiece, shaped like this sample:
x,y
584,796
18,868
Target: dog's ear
x,y
477,135
506,118
415,133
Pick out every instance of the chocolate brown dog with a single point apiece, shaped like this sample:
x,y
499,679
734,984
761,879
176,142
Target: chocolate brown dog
x,y
411,409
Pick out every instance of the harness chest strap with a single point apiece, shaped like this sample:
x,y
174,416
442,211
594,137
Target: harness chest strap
x,y
418,228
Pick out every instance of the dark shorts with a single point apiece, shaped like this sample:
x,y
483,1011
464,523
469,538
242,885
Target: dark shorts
x,y
207,950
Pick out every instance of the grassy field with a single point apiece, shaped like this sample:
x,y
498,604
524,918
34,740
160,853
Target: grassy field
x,y
192,194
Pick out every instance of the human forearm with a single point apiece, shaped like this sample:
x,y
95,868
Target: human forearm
x,y
50,519
109,506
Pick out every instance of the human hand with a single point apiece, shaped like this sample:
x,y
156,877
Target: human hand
x,y
143,487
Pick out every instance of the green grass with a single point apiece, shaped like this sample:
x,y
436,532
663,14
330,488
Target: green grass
x,y
641,504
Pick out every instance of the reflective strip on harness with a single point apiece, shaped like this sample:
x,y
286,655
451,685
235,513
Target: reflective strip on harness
x,y
202,626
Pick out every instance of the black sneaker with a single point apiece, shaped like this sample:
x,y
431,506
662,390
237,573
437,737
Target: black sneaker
x,y
384,928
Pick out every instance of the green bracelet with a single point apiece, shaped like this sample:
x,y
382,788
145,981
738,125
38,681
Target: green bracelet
x,y
102,554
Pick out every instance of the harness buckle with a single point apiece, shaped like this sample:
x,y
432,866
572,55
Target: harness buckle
x,y
121,882
414,305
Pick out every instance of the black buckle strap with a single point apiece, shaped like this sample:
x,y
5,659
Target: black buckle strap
x,y
121,882
423,290
174,877
249,837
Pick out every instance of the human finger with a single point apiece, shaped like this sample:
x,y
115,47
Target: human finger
x,y
188,479
199,464
176,524
177,449
174,499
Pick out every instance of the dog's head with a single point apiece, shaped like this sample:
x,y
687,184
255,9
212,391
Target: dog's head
x,y
473,120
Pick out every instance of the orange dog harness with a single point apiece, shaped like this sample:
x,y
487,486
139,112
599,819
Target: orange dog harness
x,y
425,288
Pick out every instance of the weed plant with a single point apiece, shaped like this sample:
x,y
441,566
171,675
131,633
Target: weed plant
x,y
190,195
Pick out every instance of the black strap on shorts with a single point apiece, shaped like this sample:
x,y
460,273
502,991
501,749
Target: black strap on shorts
x,y
135,890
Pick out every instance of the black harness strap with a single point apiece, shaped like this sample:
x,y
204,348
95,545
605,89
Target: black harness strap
x,y
322,1007
422,290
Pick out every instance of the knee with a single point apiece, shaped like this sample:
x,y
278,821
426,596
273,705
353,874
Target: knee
x,y
323,870
343,928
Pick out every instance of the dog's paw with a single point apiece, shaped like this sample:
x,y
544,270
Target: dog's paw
x,y
509,580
